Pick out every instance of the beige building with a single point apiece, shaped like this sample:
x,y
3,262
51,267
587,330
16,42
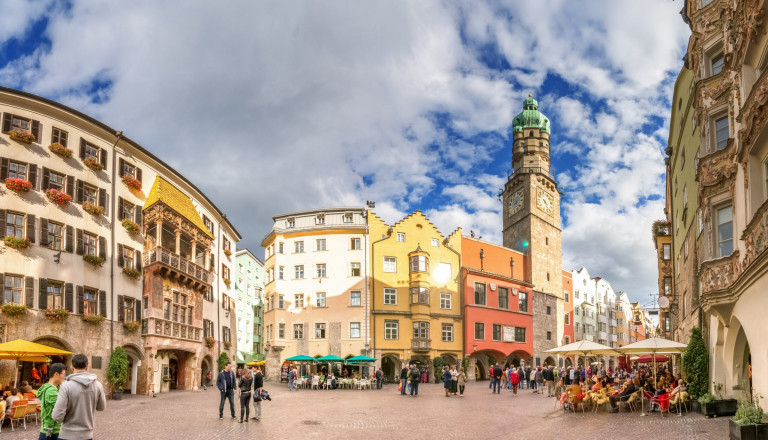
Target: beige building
x,y
96,225
316,297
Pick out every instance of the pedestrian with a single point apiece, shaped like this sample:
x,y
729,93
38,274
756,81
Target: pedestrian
x,y
454,380
549,378
415,376
225,382
532,379
521,374
47,394
403,380
447,381
497,373
490,376
258,387
462,381
291,380
379,378
78,398
514,380
504,377
527,376
244,385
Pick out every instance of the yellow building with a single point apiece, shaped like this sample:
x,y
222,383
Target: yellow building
x,y
415,274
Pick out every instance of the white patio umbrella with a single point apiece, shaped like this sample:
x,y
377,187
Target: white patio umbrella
x,y
583,348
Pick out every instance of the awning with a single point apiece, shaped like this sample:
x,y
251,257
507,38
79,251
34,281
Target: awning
x,y
360,360
328,359
301,358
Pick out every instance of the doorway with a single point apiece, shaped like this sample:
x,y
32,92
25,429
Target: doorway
x,y
173,373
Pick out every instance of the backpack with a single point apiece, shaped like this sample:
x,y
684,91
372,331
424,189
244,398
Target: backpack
x,y
414,374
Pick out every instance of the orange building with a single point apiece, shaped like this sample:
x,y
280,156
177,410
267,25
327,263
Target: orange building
x,y
567,308
497,305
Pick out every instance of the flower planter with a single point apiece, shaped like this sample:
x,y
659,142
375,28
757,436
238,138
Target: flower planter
x,y
60,150
93,260
227,282
21,136
726,407
57,197
227,345
227,252
16,243
132,326
131,226
57,315
93,319
209,341
93,164
18,185
14,310
747,432
132,182
117,395
132,273
92,209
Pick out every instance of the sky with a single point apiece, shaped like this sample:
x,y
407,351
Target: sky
x,y
274,107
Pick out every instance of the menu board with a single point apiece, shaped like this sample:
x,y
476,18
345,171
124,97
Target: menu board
x,y
509,333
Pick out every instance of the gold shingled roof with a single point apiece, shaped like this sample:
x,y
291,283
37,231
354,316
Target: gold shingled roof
x,y
164,191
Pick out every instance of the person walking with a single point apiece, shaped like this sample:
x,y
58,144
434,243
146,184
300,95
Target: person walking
x,y
549,379
291,380
521,374
225,382
379,378
532,380
447,381
415,377
258,385
47,394
490,376
454,380
403,380
539,377
461,381
79,397
514,380
244,385
497,373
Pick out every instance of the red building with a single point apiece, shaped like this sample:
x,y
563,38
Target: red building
x,y
567,315
497,306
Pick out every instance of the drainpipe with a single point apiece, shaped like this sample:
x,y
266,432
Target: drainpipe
x,y
461,287
119,135
373,284
367,310
463,274
218,288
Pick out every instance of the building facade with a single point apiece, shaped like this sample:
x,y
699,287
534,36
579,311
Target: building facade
x,y
249,285
316,295
118,239
568,317
497,307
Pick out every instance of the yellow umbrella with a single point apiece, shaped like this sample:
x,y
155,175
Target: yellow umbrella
x,y
21,350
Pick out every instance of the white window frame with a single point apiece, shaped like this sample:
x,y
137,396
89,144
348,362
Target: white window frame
x,y
390,296
445,301
400,237
391,265
391,330
352,329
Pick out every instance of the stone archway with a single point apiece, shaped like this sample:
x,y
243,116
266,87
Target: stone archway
x,y
450,359
206,366
135,355
55,342
549,361
568,362
390,365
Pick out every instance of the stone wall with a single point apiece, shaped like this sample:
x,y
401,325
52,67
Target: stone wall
x,y
543,323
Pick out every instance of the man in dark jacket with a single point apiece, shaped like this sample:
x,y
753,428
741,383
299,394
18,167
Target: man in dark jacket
x,y
258,384
403,380
225,382
624,395
549,381
415,376
379,378
497,378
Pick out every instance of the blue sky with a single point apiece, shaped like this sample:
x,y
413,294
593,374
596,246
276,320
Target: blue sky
x,y
272,107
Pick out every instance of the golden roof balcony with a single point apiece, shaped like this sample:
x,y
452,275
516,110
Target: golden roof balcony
x,y
175,267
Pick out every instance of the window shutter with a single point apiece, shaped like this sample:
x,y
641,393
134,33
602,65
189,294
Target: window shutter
x,y
3,168
82,148
2,224
137,310
37,130
80,305
29,287
138,174
103,198
120,311
138,217
80,247
103,158
31,228
70,238
79,192
42,300
102,248
120,261
2,278
120,166
120,208
7,122
43,232
71,186
68,303
46,178
138,260
103,303
33,175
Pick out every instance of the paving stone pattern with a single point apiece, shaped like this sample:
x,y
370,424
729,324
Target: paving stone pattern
x,y
313,414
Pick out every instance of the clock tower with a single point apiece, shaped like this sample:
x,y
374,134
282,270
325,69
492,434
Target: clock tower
x,y
531,225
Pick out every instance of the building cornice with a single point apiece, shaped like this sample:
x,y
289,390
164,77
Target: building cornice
x,y
495,275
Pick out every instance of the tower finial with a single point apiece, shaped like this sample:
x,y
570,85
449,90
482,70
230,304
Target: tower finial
x,y
530,95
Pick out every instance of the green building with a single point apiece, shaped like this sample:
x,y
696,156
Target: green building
x,y
249,288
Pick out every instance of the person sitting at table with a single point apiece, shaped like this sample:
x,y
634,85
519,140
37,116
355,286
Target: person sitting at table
x,y
597,386
332,378
322,380
629,389
10,399
678,393
661,386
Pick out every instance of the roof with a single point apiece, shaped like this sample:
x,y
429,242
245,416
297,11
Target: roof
x,y
164,191
530,117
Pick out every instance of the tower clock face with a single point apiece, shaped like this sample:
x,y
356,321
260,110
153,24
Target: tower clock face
x,y
545,202
516,202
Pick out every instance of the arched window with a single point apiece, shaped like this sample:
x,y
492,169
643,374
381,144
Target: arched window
x,y
530,133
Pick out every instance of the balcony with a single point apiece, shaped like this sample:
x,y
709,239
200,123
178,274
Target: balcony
x,y
178,268
716,276
170,329
421,345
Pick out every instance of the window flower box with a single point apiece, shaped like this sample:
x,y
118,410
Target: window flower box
x,y
131,226
92,209
227,252
93,164
57,197
16,243
61,150
227,345
14,310
132,273
132,326
18,185
132,182
21,136
93,260
209,341
57,315
93,319
227,281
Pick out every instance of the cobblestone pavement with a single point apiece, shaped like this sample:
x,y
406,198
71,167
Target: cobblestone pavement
x,y
312,414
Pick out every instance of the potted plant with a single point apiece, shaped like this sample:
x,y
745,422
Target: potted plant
x,y
227,281
223,360
92,209
132,326
713,405
696,367
131,226
57,197
748,423
93,164
132,273
16,243
132,182
227,252
93,260
21,136
438,362
57,315
209,341
227,345
93,319
117,372
18,185
14,311
61,150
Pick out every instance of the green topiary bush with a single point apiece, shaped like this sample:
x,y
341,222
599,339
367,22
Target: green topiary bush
x,y
696,365
117,372
438,362
223,361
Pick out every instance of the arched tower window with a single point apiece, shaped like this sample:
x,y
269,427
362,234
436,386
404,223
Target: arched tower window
x,y
530,133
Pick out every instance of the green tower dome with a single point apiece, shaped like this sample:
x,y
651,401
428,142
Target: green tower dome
x,y
530,117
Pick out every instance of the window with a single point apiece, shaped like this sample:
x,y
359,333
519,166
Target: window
x,y
55,181
576,311
89,243
291,223
348,217
90,302
55,299
167,309
390,296
549,310
479,331
127,210
225,272
319,244
685,248
390,264
225,334
401,237
320,299
447,332
523,301
666,251
391,329
17,170
281,273
567,340
225,302
567,296
298,331
22,124
129,306
667,286
298,247
280,301
298,300
128,169
59,135
420,330
14,289
724,231
129,258
91,151
549,336
503,298
576,294
576,328
419,295
281,330
281,248
320,330
354,269
567,319
320,270
354,329
320,219
298,272
208,223
207,328
419,263
354,244
497,332
721,132
354,298
435,242
14,225
685,196
90,194
445,300
480,294
717,63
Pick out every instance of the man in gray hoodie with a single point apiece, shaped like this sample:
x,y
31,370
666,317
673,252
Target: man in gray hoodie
x,y
79,397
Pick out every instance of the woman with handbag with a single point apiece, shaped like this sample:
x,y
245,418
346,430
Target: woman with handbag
x,y
244,385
